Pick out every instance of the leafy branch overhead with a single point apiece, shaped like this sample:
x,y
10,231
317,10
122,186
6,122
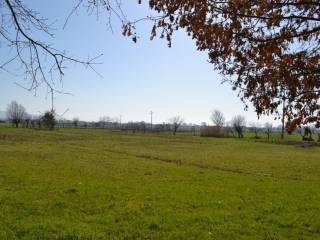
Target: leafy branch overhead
x,y
268,50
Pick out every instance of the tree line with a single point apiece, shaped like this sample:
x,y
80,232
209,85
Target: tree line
x,y
236,127
18,116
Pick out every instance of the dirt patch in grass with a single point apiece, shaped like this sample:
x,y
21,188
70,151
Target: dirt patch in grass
x,y
307,145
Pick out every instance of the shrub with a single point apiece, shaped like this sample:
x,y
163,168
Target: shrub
x,y
49,120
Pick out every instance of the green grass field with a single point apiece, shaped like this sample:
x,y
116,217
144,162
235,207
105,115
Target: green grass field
x,y
95,184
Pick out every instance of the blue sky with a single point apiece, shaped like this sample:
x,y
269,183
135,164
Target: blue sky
x,y
137,78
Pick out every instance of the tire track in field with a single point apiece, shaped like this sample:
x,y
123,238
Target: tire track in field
x,y
197,165
179,162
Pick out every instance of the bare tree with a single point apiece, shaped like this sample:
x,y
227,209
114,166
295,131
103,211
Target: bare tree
x,y
104,121
218,118
15,113
268,128
255,128
238,123
23,32
27,120
176,123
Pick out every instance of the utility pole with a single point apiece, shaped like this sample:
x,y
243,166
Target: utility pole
x,y
283,91
120,121
52,108
151,114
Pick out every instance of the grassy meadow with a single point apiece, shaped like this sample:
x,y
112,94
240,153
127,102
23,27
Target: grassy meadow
x,y
97,184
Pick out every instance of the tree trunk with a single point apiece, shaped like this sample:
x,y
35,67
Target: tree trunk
x,y
283,117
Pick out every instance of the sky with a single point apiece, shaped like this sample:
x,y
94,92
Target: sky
x,y
136,77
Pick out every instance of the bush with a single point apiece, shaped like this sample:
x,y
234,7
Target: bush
x,y
48,120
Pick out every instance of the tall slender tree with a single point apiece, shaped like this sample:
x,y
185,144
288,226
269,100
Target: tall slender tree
x,y
16,113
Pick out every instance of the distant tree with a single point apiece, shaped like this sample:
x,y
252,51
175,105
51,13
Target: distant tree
x,y
268,128
75,122
104,120
255,127
142,126
116,122
27,120
307,136
229,129
176,123
16,113
217,118
33,123
238,123
96,124
49,120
